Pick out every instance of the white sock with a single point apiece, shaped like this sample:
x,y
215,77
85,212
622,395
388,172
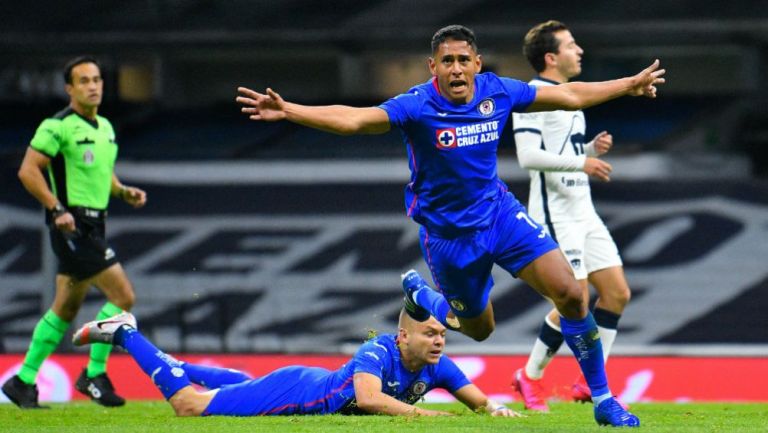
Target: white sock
x,y
540,357
607,337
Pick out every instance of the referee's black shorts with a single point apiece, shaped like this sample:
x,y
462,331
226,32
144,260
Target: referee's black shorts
x,y
85,252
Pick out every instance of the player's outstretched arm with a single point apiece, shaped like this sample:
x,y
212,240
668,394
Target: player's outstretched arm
x,y
476,400
370,399
577,95
337,119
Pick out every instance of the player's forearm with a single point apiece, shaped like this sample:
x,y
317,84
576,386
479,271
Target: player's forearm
x,y
385,405
532,158
117,189
336,119
583,94
589,149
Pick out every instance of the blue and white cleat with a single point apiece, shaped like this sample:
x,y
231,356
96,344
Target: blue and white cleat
x,y
412,282
102,331
609,412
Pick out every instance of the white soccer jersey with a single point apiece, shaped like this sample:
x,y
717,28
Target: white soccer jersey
x,y
552,146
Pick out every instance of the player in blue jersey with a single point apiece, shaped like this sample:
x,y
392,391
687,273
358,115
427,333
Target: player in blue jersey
x,y
387,375
469,221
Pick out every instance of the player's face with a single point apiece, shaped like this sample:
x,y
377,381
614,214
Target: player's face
x,y
568,59
455,64
426,341
87,87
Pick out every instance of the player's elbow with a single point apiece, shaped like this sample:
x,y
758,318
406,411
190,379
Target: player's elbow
x,y
29,175
370,403
24,174
347,129
527,159
524,161
572,103
354,127
366,403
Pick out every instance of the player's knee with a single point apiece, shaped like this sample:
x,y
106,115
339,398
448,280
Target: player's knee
x,y
622,297
570,301
480,333
67,313
125,299
182,410
67,310
129,300
184,406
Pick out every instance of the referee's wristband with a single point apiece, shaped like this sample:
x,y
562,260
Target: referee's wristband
x,y
57,211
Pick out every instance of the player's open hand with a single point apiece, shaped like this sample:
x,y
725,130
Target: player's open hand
x,y
645,82
258,106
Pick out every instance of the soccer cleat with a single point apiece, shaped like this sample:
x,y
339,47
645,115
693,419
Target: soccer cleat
x,y
99,389
580,391
530,390
412,282
22,394
609,412
102,331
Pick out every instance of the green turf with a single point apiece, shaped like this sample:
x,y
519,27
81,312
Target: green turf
x,y
139,417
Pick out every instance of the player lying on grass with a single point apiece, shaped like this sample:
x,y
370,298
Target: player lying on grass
x,y
387,375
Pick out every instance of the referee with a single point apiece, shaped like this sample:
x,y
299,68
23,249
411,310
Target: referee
x,y
78,149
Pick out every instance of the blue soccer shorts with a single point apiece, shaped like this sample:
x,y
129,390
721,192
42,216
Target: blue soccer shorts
x,y
461,266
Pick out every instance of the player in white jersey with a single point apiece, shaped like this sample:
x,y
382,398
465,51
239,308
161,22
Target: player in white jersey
x,y
552,146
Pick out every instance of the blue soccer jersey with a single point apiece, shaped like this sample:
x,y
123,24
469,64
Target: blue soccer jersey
x,y
381,358
452,148
312,390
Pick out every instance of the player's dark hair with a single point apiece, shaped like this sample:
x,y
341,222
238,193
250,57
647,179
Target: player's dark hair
x,y
454,32
541,40
75,62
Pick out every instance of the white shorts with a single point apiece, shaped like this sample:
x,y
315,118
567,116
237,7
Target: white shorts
x,y
587,245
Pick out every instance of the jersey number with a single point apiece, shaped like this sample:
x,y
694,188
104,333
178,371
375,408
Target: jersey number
x,y
577,141
523,216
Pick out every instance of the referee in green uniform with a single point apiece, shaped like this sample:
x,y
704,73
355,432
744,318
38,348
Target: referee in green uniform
x,y
78,149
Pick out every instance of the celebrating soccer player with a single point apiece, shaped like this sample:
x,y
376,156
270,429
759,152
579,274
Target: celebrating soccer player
x,y
469,221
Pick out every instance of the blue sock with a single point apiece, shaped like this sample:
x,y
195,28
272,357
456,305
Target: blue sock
x,y
213,377
584,341
165,371
433,302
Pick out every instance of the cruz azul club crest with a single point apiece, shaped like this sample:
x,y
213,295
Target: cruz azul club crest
x,y
486,107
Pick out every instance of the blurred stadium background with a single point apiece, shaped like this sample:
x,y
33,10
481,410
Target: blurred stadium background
x,y
272,238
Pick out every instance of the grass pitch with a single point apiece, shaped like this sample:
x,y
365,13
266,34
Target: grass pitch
x,y
565,417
